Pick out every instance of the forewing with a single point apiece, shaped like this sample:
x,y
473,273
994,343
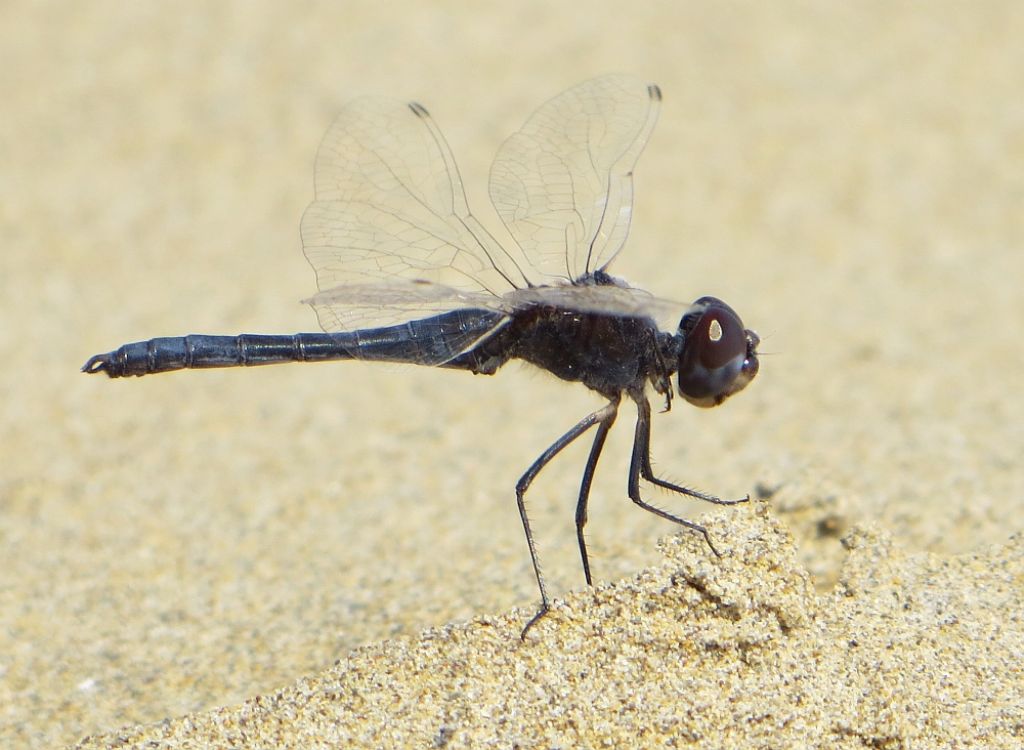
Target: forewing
x,y
390,211
563,184
603,300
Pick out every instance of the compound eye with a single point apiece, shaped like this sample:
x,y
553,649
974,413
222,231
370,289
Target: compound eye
x,y
718,356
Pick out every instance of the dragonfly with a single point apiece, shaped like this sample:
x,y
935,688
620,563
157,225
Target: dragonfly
x,y
406,273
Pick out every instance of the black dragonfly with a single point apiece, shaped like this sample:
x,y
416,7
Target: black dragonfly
x,y
406,273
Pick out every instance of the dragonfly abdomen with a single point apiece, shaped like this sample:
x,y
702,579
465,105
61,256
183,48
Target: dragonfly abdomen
x,y
430,341
199,351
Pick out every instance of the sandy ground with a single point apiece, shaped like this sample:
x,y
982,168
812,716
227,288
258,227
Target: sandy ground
x,y
207,545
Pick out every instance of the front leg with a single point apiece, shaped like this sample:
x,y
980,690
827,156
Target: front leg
x,y
640,465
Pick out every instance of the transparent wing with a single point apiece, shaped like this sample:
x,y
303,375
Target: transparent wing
x,y
400,300
390,220
563,184
392,240
602,299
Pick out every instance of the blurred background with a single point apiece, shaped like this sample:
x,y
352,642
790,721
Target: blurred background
x,y
848,177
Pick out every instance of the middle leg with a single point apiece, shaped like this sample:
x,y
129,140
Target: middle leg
x,y
601,416
588,479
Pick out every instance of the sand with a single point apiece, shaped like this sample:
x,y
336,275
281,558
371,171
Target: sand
x,y
907,651
183,558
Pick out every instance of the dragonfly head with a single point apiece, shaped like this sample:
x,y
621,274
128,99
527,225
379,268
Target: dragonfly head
x,y
718,356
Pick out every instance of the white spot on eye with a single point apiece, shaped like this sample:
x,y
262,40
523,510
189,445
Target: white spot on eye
x,y
715,331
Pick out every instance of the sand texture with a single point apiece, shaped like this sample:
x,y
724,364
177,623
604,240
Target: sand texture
x,y
908,650
184,557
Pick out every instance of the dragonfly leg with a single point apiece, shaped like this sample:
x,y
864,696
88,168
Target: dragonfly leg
x,y
588,478
640,465
602,416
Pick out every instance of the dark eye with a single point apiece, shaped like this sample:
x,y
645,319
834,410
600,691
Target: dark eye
x,y
719,356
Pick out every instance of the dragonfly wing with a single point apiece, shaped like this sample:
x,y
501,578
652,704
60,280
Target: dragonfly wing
x,y
563,184
390,209
602,299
